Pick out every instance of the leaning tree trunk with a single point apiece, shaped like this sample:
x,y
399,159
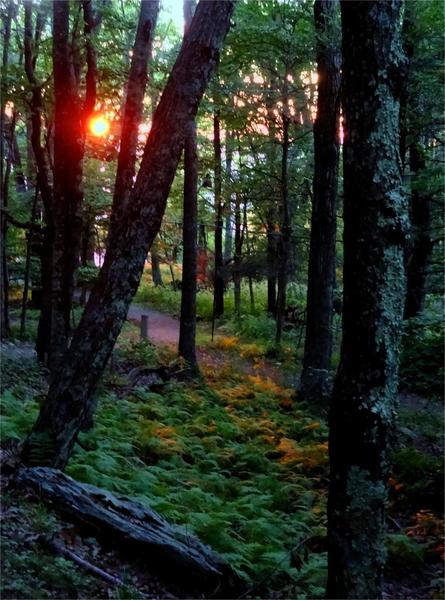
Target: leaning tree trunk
x,y
70,400
419,252
375,223
187,325
318,342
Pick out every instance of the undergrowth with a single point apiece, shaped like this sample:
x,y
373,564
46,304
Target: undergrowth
x,y
422,356
227,461
235,461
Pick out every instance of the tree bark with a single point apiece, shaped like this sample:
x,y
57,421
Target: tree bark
x,y
68,186
375,223
70,400
421,246
187,325
318,341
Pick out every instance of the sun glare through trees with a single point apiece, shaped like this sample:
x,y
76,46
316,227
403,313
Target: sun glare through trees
x,y
98,125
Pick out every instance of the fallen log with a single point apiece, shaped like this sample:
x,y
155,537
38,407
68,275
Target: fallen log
x,y
136,530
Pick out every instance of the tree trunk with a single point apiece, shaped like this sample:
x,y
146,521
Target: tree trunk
x,y
421,246
134,105
70,400
318,342
156,274
4,280
285,230
187,325
237,256
87,249
68,188
218,279
375,223
228,192
271,264
29,243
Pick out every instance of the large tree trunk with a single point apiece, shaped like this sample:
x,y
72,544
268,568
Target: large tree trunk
x,y
421,247
70,400
318,342
187,326
218,279
68,188
375,223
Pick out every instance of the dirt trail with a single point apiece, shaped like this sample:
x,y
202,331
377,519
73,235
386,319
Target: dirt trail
x,y
162,329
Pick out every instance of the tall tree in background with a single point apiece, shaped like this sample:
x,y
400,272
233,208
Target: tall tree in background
x,y
4,279
420,249
318,342
218,279
70,400
283,250
187,326
375,221
422,124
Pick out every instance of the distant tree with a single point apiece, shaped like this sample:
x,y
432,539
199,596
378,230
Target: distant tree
x,y
422,127
375,222
318,342
6,18
218,277
70,400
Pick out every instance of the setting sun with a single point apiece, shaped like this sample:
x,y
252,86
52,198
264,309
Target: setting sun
x,y
99,125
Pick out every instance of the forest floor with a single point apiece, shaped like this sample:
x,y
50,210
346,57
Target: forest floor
x,y
236,457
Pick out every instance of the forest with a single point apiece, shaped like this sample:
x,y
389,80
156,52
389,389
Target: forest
x,y
221,299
